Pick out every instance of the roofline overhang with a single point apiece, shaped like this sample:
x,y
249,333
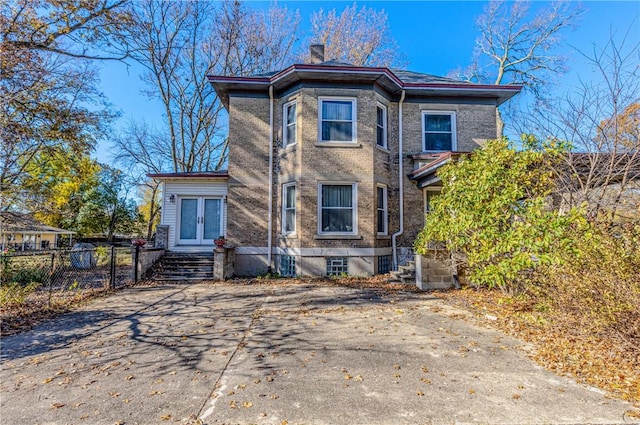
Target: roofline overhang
x,y
222,84
426,176
8,230
215,176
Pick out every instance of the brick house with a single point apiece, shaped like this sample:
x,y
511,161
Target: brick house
x,y
331,166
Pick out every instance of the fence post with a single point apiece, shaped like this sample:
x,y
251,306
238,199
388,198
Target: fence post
x,y
135,264
51,277
112,268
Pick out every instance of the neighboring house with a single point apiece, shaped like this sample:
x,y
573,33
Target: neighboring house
x,y
330,166
23,233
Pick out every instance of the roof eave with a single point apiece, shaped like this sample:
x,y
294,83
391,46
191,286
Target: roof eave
x,y
223,84
215,176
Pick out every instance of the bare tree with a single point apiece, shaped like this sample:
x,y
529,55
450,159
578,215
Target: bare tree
x,y
515,47
179,43
355,36
601,120
75,28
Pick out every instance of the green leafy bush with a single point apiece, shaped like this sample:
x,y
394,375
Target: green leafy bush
x,y
26,276
494,213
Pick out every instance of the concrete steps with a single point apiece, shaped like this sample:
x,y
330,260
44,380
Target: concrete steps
x,y
177,267
405,274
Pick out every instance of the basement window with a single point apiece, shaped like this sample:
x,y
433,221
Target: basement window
x,y
337,266
287,265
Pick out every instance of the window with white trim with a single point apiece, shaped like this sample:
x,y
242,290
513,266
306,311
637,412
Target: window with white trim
x,y
289,119
337,119
438,131
337,208
289,208
381,125
382,209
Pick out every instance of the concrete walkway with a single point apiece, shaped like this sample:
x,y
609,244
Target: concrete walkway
x,y
280,354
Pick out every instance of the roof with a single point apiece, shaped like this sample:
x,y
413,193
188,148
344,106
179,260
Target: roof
x,y
582,164
426,174
11,222
392,80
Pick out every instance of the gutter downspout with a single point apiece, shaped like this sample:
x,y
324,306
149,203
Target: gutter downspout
x,y
270,215
394,245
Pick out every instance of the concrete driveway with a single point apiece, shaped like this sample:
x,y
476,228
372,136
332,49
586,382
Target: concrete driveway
x,y
280,354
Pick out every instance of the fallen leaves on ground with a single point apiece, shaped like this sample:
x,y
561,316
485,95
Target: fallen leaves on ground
x,y
604,360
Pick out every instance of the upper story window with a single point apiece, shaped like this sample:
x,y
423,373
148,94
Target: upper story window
x,y
289,124
439,131
289,208
336,119
337,208
381,125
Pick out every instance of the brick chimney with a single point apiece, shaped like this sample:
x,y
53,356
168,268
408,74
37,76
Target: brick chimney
x,y
316,52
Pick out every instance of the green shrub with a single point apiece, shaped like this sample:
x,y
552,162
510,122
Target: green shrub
x,y
26,276
493,214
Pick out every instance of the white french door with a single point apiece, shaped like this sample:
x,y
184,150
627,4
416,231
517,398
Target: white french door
x,y
200,220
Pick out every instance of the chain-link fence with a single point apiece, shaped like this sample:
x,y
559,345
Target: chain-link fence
x,y
33,282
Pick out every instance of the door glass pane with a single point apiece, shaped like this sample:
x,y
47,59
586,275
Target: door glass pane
x,y
188,218
212,213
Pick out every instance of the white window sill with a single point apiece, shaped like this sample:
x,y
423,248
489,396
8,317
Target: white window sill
x,y
338,144
383,236
288,236
337,236
382,149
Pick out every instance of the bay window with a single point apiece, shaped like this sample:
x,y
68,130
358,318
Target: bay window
x,y
289,124
381,126
289,208
337,120
337,208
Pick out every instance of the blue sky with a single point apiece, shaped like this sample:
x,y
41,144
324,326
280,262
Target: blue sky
x,y
435,36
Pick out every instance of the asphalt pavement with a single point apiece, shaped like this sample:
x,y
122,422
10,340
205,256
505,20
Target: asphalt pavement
x,y
229,353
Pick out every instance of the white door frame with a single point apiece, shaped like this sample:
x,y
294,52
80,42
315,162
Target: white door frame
x,y
200,220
